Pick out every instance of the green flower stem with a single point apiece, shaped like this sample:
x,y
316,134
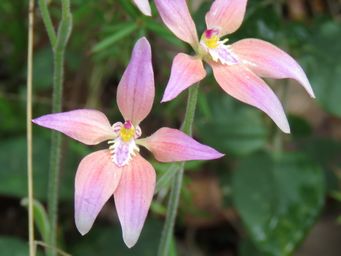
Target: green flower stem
x,y
278,136
58,42
167,233
45,15
29,129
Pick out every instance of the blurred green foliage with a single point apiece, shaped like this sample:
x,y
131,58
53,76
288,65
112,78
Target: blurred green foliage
x,y
278,196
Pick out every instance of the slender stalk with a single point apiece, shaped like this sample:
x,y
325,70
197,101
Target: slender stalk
x,y
29,128
173,203
58,42
278,137
45,15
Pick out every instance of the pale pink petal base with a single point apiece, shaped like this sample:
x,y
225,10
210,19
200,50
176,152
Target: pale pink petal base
x,y
176,16
96,180
133,197
85,125
247,87
267,60
144,6
171,145
135,92
226,15
186,71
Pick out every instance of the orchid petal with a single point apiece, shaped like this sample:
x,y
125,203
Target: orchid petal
x,y
144,6
135,92
267,60
226,15
186,71
176,16
133,197
171,145
244,85
85,125
96,180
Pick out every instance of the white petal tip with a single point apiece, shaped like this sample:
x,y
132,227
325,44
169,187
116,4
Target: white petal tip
x,y
130,240
286,130
168,97
164,99
36,121
219,155
83,232
83,226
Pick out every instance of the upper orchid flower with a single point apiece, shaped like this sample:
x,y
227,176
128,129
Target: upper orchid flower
x,y
120,170
237,67
144,6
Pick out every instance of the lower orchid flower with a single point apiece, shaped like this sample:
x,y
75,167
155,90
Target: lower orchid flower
x,y
237,67
120,170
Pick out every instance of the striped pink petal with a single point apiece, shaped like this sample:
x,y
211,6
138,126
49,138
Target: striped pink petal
x,y
186,71
244,85
176,16
226,15
96,180
144,6
133,197
267,60
85,125
135,92
171,145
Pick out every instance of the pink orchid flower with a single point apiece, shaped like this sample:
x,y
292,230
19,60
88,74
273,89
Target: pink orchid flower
x,y
237,67
144,6
120,170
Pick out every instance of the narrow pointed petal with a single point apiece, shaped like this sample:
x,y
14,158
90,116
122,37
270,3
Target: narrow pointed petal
x,y
97,178
267,60
144,6
133,197
85,125
171,145
186,71
244,85
226,15
176,16
136,90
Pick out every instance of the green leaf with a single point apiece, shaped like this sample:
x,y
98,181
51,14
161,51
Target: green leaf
x,y
129,8
232,128
299,127
161,31
108,241
167,173
125,30
12,117
172,249
322,65
40,218
13,168
278,200
13,246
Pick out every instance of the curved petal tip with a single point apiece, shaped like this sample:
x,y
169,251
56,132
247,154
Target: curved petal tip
x,y
83,224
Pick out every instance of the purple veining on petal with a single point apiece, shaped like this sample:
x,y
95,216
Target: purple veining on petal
x,y
226,55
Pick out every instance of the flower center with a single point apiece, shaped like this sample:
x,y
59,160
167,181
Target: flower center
x,y
127,131
210,38
123,147
216,49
